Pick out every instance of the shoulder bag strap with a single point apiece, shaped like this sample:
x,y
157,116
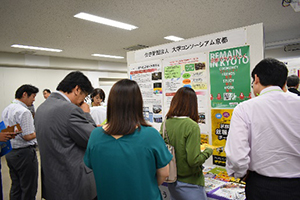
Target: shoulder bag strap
x,y
165,131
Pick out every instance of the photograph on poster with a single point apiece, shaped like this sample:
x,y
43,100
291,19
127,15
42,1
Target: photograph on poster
x,y
156,76
157,109
200,66
157,88
202,117
157,118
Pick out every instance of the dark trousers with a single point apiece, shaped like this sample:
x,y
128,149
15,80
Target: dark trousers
x,y
260,187
23,170
1,191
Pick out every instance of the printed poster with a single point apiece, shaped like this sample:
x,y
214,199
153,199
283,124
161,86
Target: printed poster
x,y
229,77
186,71
220,122
149,78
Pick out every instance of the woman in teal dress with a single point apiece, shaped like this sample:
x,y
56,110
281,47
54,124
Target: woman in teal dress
x,y
128,157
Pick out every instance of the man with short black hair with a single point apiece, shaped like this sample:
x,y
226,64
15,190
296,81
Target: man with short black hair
x,y
22,160
263,140
46,93
293,84
63,126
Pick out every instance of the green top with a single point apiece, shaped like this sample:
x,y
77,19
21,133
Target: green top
x,y
125,168
184,135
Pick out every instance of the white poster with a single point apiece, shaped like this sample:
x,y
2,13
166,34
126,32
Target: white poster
x,y
187,71
149,78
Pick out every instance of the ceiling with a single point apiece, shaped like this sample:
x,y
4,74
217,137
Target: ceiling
x,y
51,23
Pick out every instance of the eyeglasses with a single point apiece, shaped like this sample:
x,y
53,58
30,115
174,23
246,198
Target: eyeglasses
x,y
252,84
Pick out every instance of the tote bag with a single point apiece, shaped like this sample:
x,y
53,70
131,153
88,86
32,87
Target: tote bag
x,y
172,165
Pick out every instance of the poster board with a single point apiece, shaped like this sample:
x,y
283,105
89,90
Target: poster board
x,y
187,64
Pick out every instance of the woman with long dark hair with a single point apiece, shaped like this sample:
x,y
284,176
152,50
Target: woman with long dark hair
x,y
184,134
128,157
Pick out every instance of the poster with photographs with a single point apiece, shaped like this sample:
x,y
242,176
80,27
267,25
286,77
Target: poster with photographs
x,y
187,71
149,78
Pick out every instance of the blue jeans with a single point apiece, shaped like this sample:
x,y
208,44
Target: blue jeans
x,y
185,191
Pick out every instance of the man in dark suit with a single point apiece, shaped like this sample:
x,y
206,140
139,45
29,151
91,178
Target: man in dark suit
x,y
63,126
293,84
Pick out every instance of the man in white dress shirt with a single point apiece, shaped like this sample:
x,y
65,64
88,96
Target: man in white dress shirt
x,y
22,160
264,139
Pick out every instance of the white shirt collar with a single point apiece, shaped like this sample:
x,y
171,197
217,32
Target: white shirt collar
x,y
180,117
62,94
271,89
19,102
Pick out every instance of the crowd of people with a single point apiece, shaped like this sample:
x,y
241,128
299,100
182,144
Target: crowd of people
x,y
108,151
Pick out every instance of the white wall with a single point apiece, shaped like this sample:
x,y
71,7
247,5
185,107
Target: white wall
x,y
16,70
291,58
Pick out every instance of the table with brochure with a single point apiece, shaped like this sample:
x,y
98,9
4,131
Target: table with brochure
x,y
218,185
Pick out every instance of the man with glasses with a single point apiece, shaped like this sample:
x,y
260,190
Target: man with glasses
x,y
63,126
263,143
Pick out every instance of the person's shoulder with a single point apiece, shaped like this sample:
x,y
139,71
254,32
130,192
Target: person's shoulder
x,y
15,108
148,129
183,120
149,132
248,102
97,132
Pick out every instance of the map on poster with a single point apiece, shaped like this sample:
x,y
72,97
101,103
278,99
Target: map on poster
x,y
149,78
229,77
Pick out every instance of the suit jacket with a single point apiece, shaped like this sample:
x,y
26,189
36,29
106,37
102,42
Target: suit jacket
x,y
63,130
294,90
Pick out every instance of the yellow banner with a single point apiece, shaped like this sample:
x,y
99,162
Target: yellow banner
x,y
220,122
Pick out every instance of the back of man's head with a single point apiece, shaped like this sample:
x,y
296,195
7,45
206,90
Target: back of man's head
x,y
29,89
271,72
72,80
292,81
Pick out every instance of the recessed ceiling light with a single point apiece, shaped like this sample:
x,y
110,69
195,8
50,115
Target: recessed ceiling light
x,y
107,56
105,21
35,48
173,38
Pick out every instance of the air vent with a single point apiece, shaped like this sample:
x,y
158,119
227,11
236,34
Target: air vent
x,y
292,47
136,47
27,52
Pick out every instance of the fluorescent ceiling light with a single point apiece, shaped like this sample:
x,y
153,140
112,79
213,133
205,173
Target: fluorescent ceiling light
x,y
35,48
105,21
107,56
173,38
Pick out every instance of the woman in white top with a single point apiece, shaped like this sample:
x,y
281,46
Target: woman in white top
x,y
97,97
97,110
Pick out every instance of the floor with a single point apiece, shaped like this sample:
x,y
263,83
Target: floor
x,y
6,182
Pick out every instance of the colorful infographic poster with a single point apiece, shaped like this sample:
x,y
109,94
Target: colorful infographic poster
x,y
186,71
229,77
149,78
220,121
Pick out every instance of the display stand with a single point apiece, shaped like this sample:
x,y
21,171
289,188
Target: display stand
x,y
216,66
